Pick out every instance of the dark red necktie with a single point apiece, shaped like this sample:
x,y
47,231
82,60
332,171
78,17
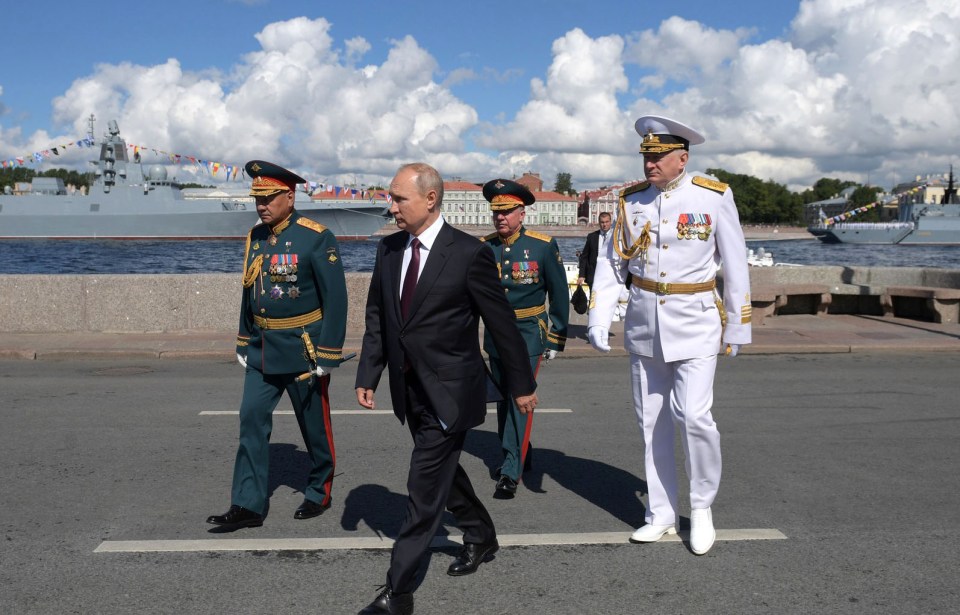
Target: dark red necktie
x,y
410,280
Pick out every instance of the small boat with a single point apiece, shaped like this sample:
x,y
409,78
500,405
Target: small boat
x,y
759,258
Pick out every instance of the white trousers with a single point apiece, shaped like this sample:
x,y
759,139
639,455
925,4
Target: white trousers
x,y
687,386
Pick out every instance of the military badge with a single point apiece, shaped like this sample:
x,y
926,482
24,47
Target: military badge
x,y
276,292
332,258
526,273
694,226
272,240
293,292
256,246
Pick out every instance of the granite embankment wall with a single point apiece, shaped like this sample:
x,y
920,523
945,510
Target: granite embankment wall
x,y
140,303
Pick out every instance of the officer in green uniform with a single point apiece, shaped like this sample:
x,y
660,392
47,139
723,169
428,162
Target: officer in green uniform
x,y
531,271
293,319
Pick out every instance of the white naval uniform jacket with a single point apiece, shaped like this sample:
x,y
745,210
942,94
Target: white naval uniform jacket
x,y
693,227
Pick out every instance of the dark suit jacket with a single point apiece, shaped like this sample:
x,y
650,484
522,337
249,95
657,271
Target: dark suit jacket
x,y
588,257
440,340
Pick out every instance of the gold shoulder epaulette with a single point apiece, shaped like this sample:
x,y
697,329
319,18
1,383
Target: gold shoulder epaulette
x,y
311,224
489,237
634,188
710,184
541,236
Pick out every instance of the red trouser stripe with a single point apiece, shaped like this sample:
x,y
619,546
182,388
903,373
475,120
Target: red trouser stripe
x,y
328,428
525,443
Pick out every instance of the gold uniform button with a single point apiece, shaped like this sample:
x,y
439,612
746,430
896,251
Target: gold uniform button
x,y
663,274
664,221
662,301
507,249
665,246
263,310
506,262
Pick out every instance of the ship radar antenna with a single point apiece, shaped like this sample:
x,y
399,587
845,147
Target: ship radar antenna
x,y
91,120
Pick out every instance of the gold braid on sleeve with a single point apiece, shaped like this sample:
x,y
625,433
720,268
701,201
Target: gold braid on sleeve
x,y
253,271
723,312
621,239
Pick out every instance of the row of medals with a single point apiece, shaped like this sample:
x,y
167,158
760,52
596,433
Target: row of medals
x,y
525,276
283,273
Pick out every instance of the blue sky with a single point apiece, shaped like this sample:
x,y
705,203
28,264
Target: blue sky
x,y
786,90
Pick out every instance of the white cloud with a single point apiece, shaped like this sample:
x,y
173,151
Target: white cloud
x,y
855,88
860,89
297,100
575,109
683,48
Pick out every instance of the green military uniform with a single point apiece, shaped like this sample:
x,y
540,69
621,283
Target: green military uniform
x,y
292,319
531,271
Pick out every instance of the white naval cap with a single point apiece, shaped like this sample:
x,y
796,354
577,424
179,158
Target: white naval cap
x,y
661,134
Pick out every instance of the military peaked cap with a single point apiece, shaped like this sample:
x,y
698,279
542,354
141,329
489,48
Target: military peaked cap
x,y
661,134
505,194
269,178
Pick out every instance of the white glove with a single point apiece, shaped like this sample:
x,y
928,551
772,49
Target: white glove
x,y
598,335
733,350
549,354
322,370
242,360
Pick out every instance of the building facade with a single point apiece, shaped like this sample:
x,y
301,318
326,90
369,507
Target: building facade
x,y
464,205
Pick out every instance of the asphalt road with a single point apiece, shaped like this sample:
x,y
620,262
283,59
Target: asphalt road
x,y
852,457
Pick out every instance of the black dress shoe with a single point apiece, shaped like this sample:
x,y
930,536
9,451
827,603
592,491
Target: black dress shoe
x,y
237,517
390,603
506,488
309,509
471,556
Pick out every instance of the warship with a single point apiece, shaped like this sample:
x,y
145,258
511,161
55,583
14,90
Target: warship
x,y
130,200
916,224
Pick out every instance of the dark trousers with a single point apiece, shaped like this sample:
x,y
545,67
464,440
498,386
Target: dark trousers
x,y
436,482
513,426
311,405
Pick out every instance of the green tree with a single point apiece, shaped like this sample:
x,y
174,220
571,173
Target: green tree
x,y
826,188
12,175
564,184
864,195
761,201
70,177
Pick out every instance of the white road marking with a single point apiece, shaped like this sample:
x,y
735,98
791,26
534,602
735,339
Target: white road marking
x,y
361,411
332,544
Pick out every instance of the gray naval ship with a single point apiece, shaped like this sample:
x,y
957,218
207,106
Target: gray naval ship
x,y
917,224
129,201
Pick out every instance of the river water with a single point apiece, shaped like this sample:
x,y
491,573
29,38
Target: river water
x,y
39,256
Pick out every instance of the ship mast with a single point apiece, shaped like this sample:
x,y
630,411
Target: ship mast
x,y
950,194
91,120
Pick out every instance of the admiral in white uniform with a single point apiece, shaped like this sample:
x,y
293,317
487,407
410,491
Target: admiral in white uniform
x,y
670,235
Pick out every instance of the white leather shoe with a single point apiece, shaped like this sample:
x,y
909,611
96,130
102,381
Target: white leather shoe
x,y
702,533
652,533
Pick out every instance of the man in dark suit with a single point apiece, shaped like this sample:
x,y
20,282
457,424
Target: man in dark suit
x,y
430,287
596,241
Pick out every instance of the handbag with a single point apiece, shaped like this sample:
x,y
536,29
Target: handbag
x,y
579,300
